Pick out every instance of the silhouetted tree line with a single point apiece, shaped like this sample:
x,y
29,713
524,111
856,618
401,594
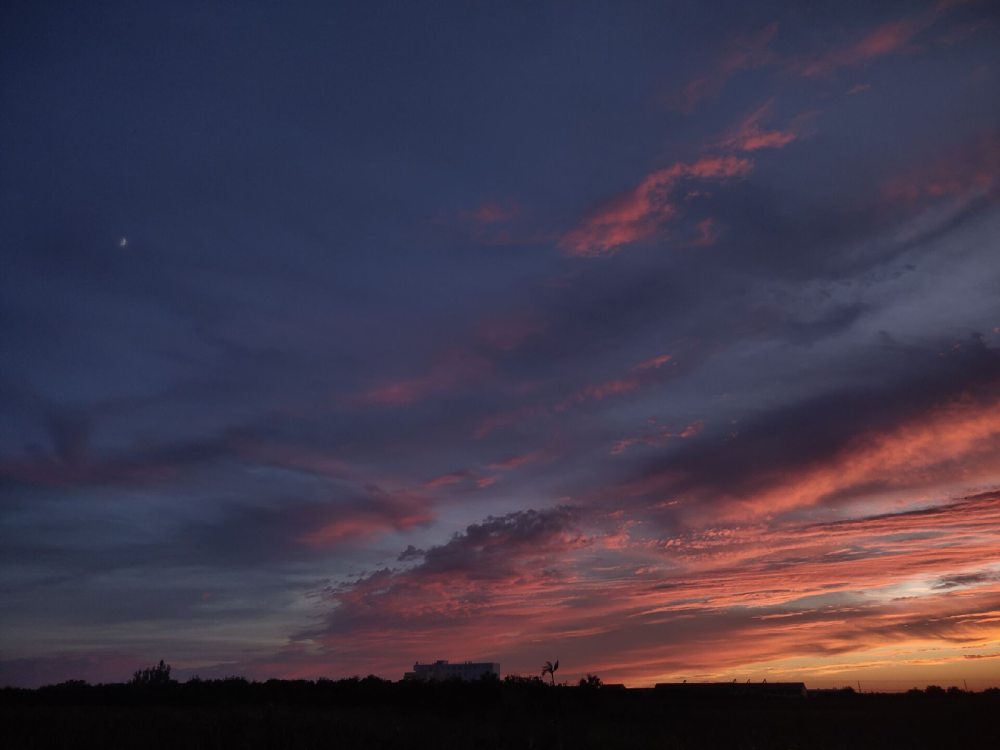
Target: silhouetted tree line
x,y
158,675
153,711
154,686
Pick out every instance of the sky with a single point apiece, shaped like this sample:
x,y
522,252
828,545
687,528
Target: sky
x,y
662,339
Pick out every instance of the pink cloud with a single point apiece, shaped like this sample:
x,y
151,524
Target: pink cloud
x,y
496,223
654,363
963,32
492,212
643,372
890,38
714,600
707,234
745,52
506,419
378,513
462,477
972,170
508,334
454,477
659,437
542,455
751,135
921,452
752,51
599,391
640,213
455,370
894,37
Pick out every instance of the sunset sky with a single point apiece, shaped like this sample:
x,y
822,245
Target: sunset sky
x,y
659,338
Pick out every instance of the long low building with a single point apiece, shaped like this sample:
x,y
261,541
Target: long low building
x,y
442,669
733,689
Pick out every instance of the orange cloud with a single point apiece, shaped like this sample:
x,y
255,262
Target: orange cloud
x,y
641,212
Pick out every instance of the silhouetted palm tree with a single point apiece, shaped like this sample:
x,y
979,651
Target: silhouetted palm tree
x,y
550,669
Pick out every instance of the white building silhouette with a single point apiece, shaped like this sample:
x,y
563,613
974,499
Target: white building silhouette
x,y
442,669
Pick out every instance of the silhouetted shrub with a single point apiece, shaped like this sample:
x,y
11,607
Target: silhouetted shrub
x,y
591,682
152,676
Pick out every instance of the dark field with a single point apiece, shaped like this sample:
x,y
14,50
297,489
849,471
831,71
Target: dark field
x,y
393,715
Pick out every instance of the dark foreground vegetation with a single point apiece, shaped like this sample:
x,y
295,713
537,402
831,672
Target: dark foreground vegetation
x,y
153,711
